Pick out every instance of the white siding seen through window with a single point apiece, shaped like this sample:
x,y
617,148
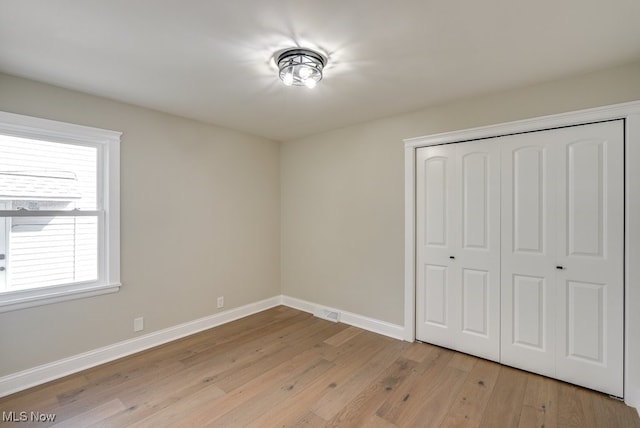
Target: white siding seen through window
x,y
43,251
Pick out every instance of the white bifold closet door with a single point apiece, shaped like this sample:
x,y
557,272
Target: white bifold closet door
x,y
562,254
458,247
519,251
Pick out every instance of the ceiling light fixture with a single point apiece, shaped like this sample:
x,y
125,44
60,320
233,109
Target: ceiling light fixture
x,y
301,67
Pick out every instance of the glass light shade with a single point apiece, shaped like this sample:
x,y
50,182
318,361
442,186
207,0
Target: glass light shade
x,y
287,78
300,67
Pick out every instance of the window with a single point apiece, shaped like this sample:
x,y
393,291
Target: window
x,y
59,211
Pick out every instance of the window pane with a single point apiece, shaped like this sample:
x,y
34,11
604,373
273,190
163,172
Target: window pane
x,y
41,175
51,250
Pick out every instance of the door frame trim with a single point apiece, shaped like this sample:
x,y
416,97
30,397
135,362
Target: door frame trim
x,y
630,112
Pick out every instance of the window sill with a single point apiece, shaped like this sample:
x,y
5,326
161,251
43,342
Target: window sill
x,y
15,300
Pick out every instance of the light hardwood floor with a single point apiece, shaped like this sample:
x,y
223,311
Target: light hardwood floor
x,y
283,367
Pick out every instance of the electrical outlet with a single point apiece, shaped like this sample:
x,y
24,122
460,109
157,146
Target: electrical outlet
x,y
138,324
220,302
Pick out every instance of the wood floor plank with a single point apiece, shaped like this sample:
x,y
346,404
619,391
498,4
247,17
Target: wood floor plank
x,y
611,412
375,421
338,375
362,409
336,398
505,404
246,369
177,414
286,368
540,403
432,401
571,408
90,416
469,405
344,336
345,351
249,343
43,398
147,399
280,401
418,351
87,396
307,420
206,341
284,374
407,396
463,362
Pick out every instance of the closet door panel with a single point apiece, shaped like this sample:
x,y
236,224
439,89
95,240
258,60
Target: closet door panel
x,y
529,171
478,256
528,208
436,184
529,321
437,291
585,198
475,200
475,302
590,252
435,295
458,248
562,253
585,309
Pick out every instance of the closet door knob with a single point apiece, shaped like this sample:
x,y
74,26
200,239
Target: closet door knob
x,y
560,267
452,257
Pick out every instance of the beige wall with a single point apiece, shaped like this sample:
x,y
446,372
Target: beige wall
x,y
343,191
200,219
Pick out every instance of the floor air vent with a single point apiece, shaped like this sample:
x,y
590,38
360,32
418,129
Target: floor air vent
x,y
327,314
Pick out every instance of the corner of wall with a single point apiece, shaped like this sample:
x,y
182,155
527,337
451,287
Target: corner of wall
x,y
376,326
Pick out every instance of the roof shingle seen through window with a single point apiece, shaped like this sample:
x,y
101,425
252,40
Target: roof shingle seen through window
x,y
43,185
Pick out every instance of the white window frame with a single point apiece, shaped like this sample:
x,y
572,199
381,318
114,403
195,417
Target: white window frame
x,y
108,144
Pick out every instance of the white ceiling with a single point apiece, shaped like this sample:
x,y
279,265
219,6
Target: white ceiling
x,y
211,59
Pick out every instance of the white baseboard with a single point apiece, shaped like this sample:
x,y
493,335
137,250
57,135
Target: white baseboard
x,y
47,372
299,304
38,375
632,398
381,327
